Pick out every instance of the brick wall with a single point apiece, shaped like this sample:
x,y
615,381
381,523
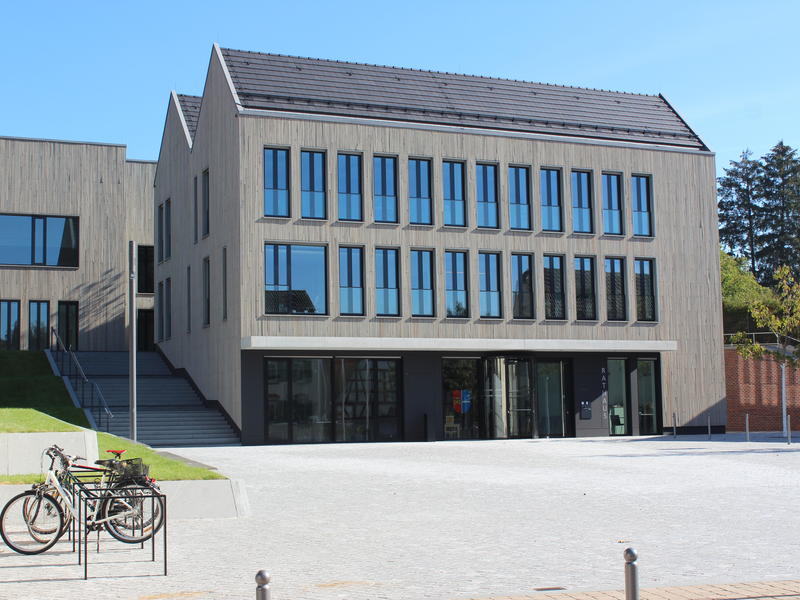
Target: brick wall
x,y
754,387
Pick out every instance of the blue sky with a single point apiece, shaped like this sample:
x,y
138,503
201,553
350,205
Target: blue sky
x,y
103,72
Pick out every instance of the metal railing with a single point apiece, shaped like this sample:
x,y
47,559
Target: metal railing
x,y
86,390
765,338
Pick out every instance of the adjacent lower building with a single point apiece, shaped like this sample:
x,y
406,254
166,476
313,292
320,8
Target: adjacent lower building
x,y
348,252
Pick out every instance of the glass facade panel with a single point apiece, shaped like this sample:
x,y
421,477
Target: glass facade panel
x,y
550,399
419,193
296,279
490,277
367,400
581,202
68,324
615,289
160,310
38,240
145,270
167,229
386,282
645,289
160,240
276,182
522,285
422,283
312,166
551,200
454,205
640,187
206,292
168,308
456,284
646,378
585,296
351,289
461,409
206,203
349,187
554,305
384,189
520,395
486,181
38,325
9,324
617,398
278,408
612,205
45,241
519,202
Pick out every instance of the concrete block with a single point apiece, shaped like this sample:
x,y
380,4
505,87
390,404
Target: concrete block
x,y
203,499
22,453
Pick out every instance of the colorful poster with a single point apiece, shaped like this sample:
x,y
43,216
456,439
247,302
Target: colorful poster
x,y
461,401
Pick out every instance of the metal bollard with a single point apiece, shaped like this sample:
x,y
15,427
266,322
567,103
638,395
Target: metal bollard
x,y
631,574
747,427
675,425
262,591
789,428
709,425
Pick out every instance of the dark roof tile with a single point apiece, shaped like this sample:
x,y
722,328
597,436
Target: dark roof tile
x,y
190,106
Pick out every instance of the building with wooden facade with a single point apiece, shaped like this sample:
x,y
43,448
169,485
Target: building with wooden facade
x,y
67,211
349,252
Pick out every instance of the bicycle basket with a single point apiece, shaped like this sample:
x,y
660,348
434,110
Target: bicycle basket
x,y
132,467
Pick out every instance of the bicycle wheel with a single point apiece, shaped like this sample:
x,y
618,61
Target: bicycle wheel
x,y
131,515
31,522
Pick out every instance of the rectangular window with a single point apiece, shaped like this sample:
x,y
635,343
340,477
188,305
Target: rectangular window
x,y
312,166
612,205
585,296
349,187
296,279
351,288
194,211
38,325
644,271
454,206
522,285
160,240
554,305
145,270
38,240
486,181
384,189
581,202
68,327
206,292
224,284
422,283
386,282
551,200
276,182
168,308
167,229
642,225
455,266
188,299
490,277
206,202
160,310
615,289
419,191
519,203
9,325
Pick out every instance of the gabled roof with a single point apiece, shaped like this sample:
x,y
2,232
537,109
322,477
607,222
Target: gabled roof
x,y
190,106
306,85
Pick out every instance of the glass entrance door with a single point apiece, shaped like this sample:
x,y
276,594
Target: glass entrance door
x,y
648,404
552,417
617,397
68,324
461,404
520,398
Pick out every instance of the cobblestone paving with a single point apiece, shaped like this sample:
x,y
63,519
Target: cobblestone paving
x,y
454,520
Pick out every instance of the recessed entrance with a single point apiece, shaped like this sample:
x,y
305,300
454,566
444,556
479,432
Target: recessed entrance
x,y
554,412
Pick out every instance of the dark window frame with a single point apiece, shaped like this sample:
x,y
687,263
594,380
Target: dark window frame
x,y
348,272
287,175
518,272
415,186
639,182
206,211
382,264
514,189
581,180
12,340
484,189
289,275
38,337
207,291
456,283
548,197
352,187
449,180
551,279
37,255
585,288
645,291
608,209
417,263
490,281
380,187
312,155
145,269
616,300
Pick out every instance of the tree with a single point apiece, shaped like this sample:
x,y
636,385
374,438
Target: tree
x,y
783,323
739,207
739,291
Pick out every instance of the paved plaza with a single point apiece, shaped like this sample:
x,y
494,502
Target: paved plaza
x,y
466,519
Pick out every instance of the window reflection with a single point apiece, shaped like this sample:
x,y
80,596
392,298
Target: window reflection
x,y
296,279
34,240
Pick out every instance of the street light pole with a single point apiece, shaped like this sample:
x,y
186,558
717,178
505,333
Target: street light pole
x,y
132,335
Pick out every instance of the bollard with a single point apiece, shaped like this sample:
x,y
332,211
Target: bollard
x,y
709,425
631,574
747,427
789,428
675,425
262,591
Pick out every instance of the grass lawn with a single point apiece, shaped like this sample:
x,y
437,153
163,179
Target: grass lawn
x,y
27,381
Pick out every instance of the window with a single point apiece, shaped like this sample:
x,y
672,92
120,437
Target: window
x,y
386,282
146,271
188,299
276,182
160,240
615,289
68,329
454,205
9,325
522,285
351,289
419,191
224,284
167,229
455,266
486,181
585,298
312,165
421,283
385,191
551,200
490,276
160,309
640,187
645,289
206,292
349,187
34,240
612,205
581,202
206,202
519,205
168,308
296,279
38,325
194,210
554,288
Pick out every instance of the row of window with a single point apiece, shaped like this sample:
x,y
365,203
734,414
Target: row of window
x,y
164,218
296,282
420,210
38,240
38,324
